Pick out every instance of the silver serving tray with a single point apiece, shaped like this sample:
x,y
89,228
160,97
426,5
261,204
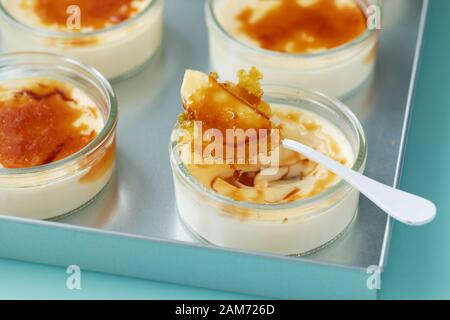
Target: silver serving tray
x,y
139,201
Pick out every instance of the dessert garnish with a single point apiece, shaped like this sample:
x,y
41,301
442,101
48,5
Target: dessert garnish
x,y
224,105
235,114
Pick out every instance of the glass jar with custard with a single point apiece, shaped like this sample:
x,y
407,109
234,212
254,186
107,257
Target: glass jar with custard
x,y
57,129
323,45
288,205
117,37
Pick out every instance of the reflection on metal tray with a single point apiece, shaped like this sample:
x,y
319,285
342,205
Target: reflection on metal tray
x,y
139,202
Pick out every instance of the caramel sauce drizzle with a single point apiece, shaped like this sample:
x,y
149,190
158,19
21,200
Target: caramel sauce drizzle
x,y
294,28
240,179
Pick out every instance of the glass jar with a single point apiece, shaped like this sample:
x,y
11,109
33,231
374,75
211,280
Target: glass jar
x,y
118,51
337,72
295,228
61,187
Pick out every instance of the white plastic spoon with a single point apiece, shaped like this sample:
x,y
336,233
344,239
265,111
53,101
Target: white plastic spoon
x,y
402,206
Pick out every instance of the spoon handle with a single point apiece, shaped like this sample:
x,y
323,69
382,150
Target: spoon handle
x,y
402,206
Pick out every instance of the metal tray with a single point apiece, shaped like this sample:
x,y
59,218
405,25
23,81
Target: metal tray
x,y
132,227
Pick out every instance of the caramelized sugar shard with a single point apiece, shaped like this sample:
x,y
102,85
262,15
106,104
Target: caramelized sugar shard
x,y
250,81
185,122
224,105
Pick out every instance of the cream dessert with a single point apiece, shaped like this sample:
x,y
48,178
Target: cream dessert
x,y
323,45
115,36
288,206
51,161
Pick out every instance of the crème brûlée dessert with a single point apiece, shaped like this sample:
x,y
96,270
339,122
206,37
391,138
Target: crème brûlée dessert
x,y
278,201
316,44
44,123
99,33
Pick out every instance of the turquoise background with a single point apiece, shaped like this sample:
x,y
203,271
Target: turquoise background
x,y
419,260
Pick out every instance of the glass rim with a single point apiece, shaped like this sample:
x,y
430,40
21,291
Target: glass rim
x,y
359,163
105,133
71,35
211,15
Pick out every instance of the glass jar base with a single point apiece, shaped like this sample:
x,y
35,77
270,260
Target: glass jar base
x,y
201,239
80,208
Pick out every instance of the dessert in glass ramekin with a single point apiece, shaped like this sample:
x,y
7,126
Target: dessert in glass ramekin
x,y
300,209
58,128
244,33
117,37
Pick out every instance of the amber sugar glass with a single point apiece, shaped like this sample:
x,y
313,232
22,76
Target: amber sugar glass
x,y
295,28
38,126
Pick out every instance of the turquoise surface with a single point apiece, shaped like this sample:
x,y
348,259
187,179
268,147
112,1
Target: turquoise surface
x,y
419,263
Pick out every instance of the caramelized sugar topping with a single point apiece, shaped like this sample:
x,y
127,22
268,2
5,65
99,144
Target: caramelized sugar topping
x,y
225,106
96,14
37,126
295,28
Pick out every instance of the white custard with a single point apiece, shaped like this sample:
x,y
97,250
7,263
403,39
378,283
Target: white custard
x,y
61,188
337,71
117,50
